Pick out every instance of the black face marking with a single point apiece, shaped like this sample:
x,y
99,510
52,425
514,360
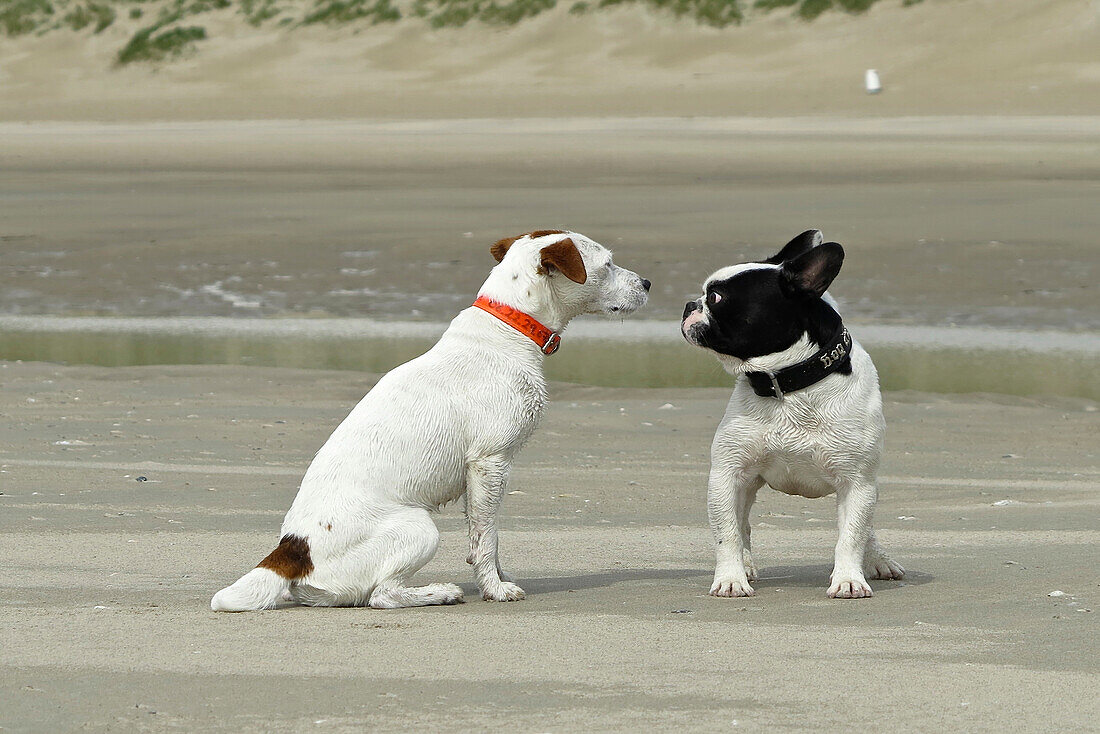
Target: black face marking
x,y
750,316
766,310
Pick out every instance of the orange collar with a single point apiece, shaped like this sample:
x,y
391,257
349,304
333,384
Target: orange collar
x,y
546,339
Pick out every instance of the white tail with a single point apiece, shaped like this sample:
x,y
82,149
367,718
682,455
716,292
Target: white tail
x,y
260,588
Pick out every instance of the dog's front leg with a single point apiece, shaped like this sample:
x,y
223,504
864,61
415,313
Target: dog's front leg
x,y
505,576
855,504
730,494
485,482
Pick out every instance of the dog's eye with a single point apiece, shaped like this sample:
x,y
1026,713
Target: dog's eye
x,y
714,297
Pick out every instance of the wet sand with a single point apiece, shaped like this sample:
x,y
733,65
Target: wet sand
x,y
946,220
990,502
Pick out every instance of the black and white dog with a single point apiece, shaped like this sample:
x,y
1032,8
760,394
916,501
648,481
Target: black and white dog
x,y
805,415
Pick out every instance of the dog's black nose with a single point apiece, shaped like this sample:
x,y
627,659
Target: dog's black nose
x,y
646,284
689,308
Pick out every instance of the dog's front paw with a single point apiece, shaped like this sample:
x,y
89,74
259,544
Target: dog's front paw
x,y
884,568
731,587
750,568
505,591
849,586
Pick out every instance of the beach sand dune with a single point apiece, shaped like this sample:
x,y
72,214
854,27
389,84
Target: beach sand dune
x,y
935,57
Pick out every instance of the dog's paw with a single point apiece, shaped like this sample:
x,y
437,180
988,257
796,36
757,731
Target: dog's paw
x,y
731,587
750,568
849,587
447,593
506,591
884,568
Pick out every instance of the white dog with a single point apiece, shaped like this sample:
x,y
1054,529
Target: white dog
x,y
444,425
805,415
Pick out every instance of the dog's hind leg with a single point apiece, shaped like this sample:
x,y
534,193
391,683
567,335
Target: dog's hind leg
x,y
855,504
730,494
878,565
375,571
408,540
485,481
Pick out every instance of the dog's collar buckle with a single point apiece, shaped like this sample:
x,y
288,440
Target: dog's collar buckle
x,y
775,385
546,339
552,343
835,355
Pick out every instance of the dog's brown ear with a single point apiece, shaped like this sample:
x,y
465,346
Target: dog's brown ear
x,y
564,256
500,249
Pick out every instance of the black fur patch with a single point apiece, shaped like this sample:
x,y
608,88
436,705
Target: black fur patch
x,y
754,317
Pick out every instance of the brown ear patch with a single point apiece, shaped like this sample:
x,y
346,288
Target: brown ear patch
x,y
500,249
290,559
564,256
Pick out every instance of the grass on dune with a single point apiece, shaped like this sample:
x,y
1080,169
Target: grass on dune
x,y
23,16
810,9
457,13
149,45
83,16
335,12
172,31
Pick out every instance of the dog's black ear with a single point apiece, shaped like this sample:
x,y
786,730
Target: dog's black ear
x,y
500,247
809,274
564,256
808,240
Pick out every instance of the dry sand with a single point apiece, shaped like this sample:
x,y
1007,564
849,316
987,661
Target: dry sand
x,y
990,503
938,57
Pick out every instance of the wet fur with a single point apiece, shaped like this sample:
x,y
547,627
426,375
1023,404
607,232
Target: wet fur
x,y
825,439
444,426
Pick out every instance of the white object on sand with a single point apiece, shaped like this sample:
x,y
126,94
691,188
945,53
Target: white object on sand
x,y
871,82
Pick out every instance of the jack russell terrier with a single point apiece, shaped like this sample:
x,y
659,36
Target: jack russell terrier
x,y
805,415
441,426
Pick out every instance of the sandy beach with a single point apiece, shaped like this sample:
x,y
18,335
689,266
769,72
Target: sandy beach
x,y
990,502
275,193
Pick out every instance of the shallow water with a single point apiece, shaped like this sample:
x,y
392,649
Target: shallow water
x,y
967,221
631,353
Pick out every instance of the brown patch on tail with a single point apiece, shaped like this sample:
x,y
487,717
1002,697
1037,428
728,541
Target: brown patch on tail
x,y
500,249
290,559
